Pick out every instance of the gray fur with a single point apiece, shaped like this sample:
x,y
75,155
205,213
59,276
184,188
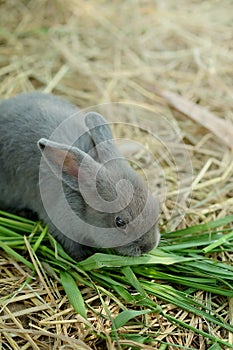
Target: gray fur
x,y
27,123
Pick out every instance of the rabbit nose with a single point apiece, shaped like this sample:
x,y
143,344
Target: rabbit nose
x,y
146,247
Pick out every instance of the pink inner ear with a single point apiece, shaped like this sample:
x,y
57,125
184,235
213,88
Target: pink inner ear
x,y
63,159
70,165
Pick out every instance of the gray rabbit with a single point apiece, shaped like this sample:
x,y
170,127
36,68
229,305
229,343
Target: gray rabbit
x,y
64,166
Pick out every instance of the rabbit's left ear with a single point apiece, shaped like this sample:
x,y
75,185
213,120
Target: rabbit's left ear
x,y
68,163
102,136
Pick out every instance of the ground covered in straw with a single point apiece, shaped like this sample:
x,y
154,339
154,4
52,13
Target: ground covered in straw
x,y
98,52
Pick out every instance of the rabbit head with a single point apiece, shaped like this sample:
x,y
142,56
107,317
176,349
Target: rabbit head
x,y
111,202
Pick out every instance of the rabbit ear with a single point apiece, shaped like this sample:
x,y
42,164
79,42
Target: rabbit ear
x,y
65,161
102,136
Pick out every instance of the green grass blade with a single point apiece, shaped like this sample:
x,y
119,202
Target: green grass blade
x,y
73,293
40,239
100,260
207,284
18,225
126,315
198,331
4,231
203,227
132,279
220,241
16,217
16,255
178,298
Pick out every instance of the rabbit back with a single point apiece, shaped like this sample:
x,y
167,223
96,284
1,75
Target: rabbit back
x,y
25,119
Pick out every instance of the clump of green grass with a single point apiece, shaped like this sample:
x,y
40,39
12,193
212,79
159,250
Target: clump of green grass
x,y
185,264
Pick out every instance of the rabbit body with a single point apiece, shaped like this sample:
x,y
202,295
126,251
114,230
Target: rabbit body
x,y
27,123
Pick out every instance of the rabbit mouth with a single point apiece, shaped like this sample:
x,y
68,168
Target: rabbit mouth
x,y
129,250
135,249
141,246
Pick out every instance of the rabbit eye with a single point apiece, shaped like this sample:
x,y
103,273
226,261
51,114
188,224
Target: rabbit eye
x,y
120,222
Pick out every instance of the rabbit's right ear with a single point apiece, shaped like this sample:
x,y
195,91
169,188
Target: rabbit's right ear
x,y
65,162
98,127
102,136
